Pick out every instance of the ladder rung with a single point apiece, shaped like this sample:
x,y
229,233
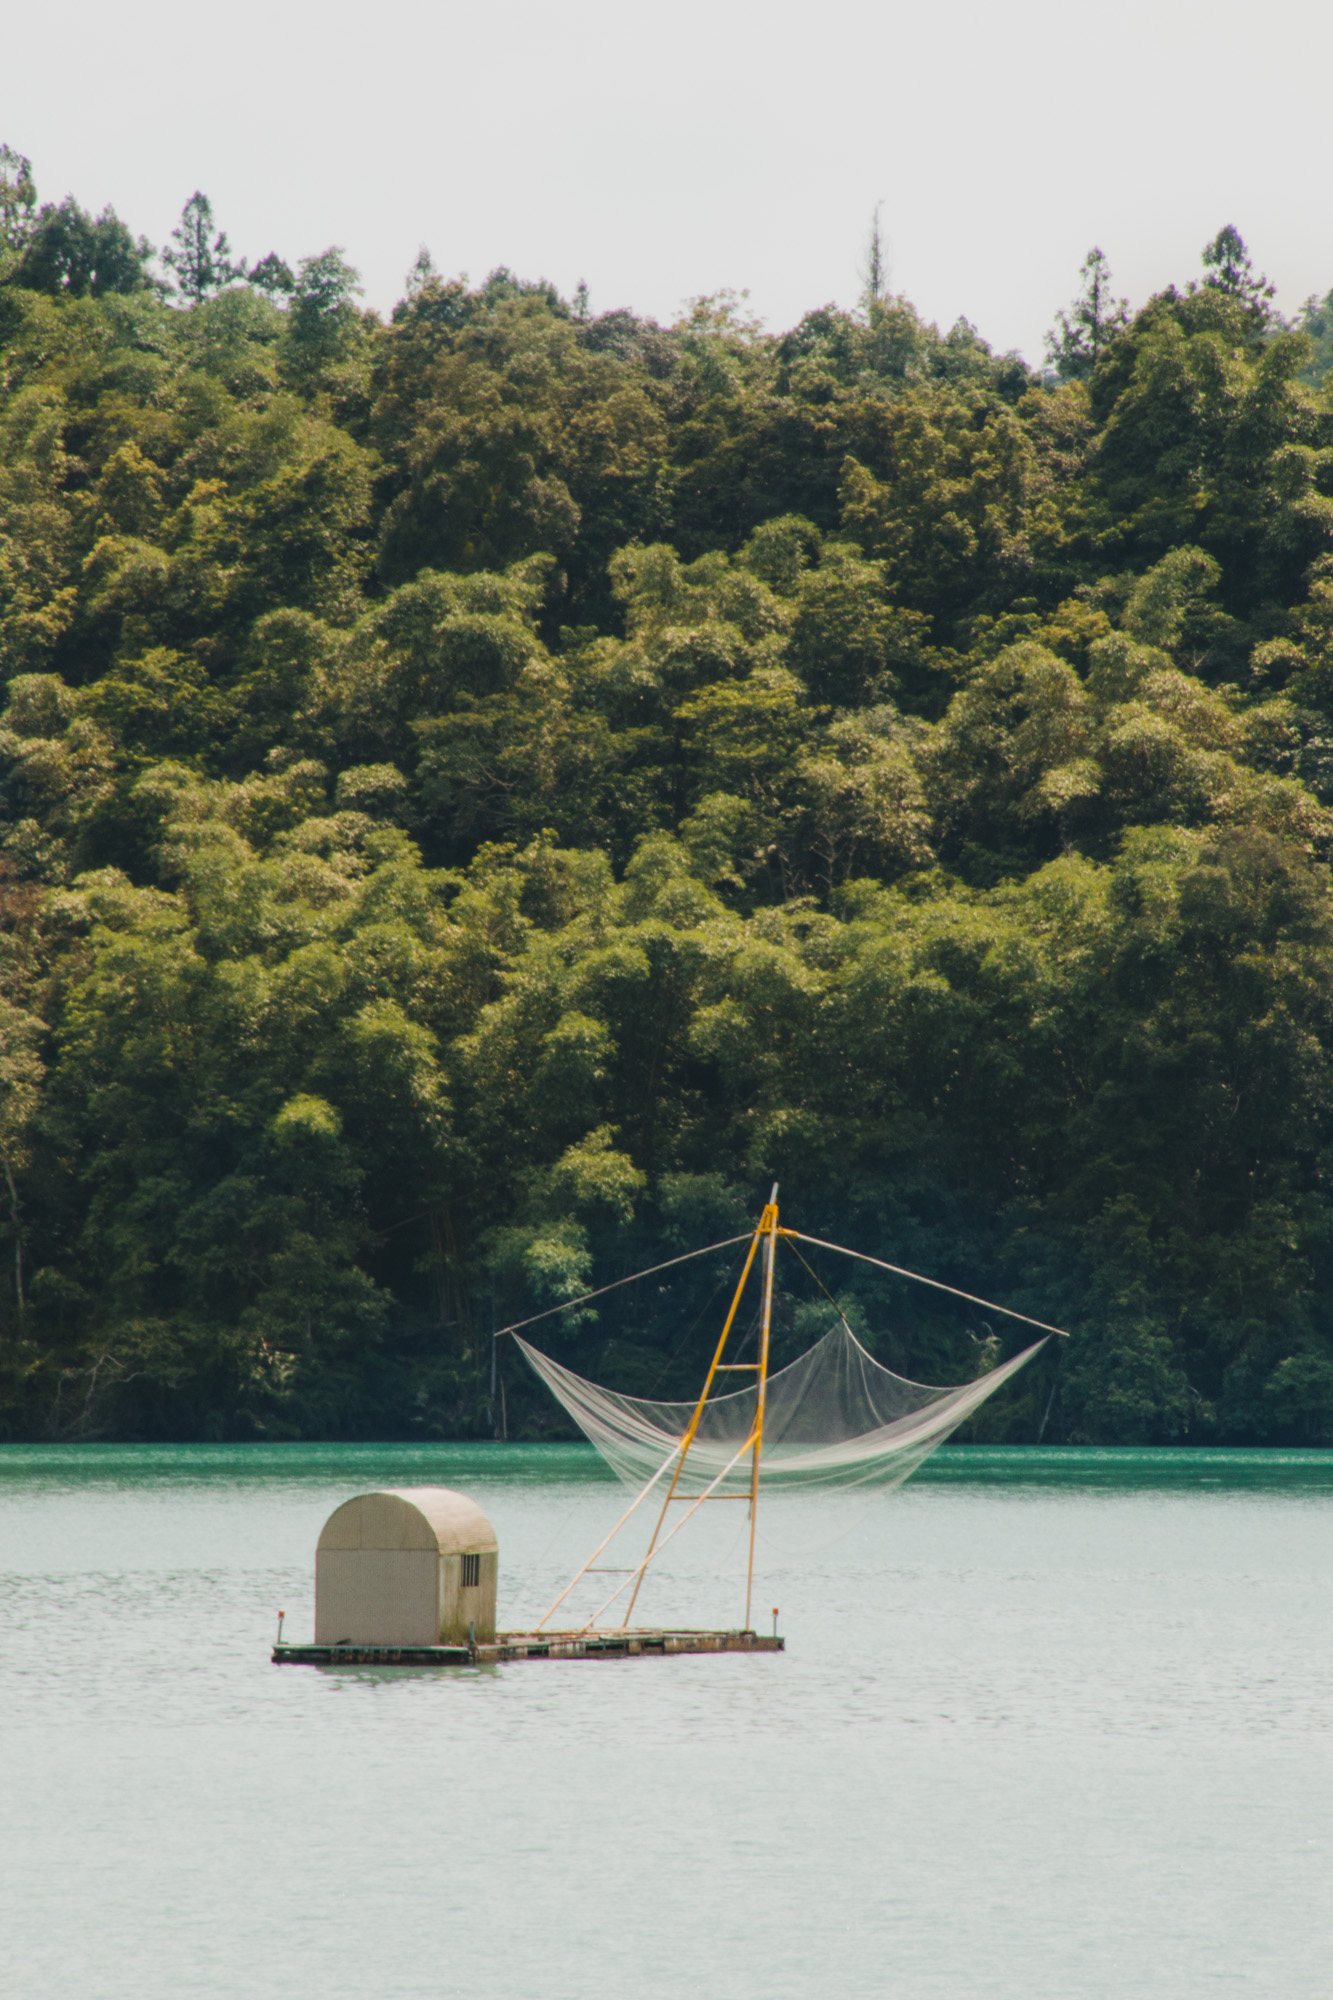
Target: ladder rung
x,y
700,1497
735,1367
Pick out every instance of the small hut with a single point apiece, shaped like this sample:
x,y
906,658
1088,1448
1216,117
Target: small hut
x,y
415,1566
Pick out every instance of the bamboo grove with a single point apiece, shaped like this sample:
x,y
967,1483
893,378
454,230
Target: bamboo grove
x,y
486,791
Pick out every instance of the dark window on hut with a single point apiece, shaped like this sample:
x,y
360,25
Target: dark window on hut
x,y
471,1570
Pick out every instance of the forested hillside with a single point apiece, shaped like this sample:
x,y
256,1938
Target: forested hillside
x,y
486,792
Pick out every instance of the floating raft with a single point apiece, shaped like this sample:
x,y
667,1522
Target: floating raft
x,y
631,1645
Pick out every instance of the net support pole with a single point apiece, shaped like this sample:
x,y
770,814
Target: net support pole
x,y
693,1424
769,1226
603,1545
709,1493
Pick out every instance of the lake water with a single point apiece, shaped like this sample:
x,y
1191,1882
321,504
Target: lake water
x,y
1049,1725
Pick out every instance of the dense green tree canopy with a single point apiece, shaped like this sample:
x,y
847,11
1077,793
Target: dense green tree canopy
x,y
483,793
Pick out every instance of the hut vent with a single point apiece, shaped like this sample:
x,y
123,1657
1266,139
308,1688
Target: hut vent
x,y
411,1566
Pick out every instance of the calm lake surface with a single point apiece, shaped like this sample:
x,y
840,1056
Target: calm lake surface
x,y
1049,1724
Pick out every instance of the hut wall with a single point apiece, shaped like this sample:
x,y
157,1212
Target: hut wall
x,y
377,1598
461,1604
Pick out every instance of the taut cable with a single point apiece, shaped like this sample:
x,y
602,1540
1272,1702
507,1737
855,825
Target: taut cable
x,y
651,1272
934,1283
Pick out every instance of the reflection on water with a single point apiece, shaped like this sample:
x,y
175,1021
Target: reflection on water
x,y
1049,1725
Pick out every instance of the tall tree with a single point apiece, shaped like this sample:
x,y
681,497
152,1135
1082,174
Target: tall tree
x,y
201,256
1230,269
875,270
323,311
421,273
1080,336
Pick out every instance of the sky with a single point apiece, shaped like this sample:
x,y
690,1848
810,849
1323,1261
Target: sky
x,y
660,153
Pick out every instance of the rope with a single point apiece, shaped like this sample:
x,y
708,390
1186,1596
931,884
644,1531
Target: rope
x,y
652,1270
822,1286
917,1278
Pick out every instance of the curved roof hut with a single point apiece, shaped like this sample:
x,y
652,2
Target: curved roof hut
x,y
409,1566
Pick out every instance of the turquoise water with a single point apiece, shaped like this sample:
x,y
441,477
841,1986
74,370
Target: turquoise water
x,y
1050,1725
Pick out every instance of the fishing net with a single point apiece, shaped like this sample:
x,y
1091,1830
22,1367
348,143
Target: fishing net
x,y
832,1418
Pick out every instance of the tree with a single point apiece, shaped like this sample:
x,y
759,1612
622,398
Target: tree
x,y
422,272
1081,335
272,276
69,251
1202,442
875,270
1315,321
1229,269
322,313
201,257
18,198
944,495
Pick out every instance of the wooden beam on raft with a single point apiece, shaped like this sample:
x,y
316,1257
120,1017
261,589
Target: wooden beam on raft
x,y
620,1644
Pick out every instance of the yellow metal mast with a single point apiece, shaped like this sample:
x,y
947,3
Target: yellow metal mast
x,y
770,1257
765,1233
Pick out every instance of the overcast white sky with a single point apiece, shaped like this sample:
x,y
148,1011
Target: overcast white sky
x,y
665,151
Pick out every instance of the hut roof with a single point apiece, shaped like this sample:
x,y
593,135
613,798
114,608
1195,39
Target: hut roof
x,y
410,1517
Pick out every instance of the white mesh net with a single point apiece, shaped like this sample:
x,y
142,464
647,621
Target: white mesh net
x,y
832,1418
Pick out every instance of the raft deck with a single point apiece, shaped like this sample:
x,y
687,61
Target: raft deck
x,y
648,1644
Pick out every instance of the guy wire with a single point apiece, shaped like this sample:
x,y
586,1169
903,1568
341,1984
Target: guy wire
x,y
652,1270
935,1284
820,1282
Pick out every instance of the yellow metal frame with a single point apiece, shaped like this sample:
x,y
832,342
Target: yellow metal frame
x,y
765,1235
